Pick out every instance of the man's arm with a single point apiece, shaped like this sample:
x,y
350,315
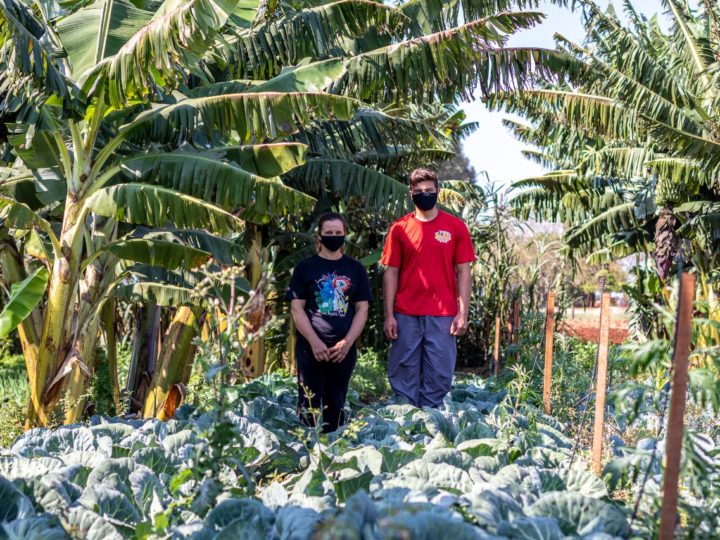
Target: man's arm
x,y
390,286
464,282
303,325
341,348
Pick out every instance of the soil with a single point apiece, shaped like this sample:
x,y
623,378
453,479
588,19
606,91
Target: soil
x,y
586,325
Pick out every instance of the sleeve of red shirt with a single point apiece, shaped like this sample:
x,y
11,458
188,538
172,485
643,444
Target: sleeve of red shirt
x,y
464,250
392,255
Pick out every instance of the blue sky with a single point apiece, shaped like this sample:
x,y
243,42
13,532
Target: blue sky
x,y
491,148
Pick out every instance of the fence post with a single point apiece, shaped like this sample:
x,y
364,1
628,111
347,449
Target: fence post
x,y
516,318
676,418
600,388
549,333
496,348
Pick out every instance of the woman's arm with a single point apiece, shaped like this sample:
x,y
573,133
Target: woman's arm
x,y
302,323
341,348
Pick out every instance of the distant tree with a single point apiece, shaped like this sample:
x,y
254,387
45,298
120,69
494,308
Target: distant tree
x,y
457,168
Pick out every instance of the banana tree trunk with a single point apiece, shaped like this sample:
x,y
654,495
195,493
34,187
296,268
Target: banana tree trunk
x,y
108,323
174,367
29,330
709,335
253,365
55,343
146,345
83,351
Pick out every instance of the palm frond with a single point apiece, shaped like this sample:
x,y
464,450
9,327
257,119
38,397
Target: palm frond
x,y
253,117
401,158
25,51
429,16
594,113
345,179
689,145
224,252
371,130
224,184
318,32
156,206
626,54
99,30
681,171
537,203
448,65
181,30
698,50
156,252
620,162
266,160
616,219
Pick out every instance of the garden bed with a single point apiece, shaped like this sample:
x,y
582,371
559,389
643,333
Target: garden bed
x,y
474,468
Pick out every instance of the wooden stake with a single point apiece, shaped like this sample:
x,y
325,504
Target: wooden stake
x,y
676,418
496,348
292,339
601,383
549,334
516,319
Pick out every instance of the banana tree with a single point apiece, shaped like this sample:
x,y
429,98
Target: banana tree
x,y
146,134
633,141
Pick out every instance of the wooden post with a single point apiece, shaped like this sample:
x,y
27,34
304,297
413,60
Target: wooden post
x,y
676,418
292,338
496,348
516,319
549,334
601,382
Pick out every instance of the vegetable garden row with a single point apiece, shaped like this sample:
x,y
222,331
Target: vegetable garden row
x,y
478,468
163,164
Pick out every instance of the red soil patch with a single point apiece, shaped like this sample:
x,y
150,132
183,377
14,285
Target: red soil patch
x,y
587,327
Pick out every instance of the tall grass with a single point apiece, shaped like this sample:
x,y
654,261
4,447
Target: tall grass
x,y
14,395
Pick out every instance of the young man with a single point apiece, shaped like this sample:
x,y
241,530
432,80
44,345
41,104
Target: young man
x,y
427,293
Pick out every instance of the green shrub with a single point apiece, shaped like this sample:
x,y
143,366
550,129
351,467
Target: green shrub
x,y
14,394
369,379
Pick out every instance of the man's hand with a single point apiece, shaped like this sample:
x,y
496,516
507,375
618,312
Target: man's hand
x,y
459,325
320,351
339,351
390,327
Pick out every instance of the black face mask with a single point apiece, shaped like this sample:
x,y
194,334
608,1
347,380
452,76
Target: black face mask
x,y
333,243
425,201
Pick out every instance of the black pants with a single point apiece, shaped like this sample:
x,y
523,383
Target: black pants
x,y
322,386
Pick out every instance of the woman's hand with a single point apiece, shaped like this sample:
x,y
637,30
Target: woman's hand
x,y
339,351
320,351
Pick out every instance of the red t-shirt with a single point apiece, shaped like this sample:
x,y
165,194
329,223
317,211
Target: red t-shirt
x,y
426,252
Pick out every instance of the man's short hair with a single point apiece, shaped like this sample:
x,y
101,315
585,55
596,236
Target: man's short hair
x,y
423,175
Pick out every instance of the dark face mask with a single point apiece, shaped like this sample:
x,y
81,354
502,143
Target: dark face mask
x,y
425,201
332,243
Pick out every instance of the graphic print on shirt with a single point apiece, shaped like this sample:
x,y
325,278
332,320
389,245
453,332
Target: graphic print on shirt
x,y
330,296
443,237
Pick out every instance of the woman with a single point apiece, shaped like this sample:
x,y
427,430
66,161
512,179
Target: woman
x,y
329,297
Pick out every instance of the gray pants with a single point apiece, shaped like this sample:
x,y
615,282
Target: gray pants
x,y
422,359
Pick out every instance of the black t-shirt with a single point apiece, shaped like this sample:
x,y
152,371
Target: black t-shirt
x,y
330,290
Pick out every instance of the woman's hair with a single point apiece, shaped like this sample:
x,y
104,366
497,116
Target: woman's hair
x,y
328,216
331,216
